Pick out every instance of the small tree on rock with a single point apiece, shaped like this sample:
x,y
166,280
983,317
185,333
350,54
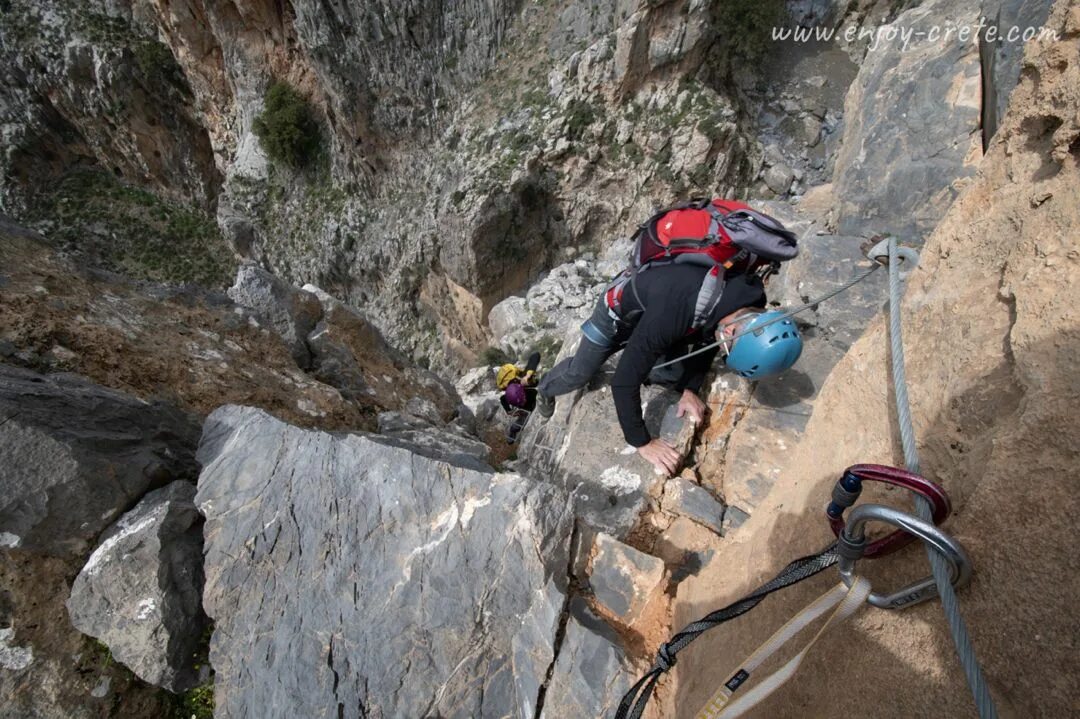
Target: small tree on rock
x,y
286,128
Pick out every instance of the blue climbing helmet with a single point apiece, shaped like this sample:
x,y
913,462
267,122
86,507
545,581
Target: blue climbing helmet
x,y
763,352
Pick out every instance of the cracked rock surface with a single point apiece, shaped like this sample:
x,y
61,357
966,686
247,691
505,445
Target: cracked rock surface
x,y
405,586
139,593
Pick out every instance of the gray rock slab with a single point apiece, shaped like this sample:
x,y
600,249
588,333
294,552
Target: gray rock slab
x,y
393,422
347,577
591,673
686,499
476,380
447,444
780,407
140,591
826,262
911,128
74,456
533,648
609,481
623,579
734,518
292,312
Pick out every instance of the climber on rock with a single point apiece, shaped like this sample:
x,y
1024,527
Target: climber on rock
x,y
697,277
518,399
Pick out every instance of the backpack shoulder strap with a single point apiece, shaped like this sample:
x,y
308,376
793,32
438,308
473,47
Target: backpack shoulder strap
x,y
712,289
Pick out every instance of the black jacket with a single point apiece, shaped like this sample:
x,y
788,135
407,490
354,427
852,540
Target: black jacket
x,y
659,327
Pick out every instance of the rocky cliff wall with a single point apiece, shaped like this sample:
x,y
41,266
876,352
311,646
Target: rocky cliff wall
x,y
991,337
468,148
470,144
86,83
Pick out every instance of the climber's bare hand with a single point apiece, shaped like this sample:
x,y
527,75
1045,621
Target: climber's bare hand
x,y
692,405
661,455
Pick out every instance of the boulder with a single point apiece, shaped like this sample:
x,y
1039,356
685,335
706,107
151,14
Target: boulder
x,y
507,316
623,579
911,128
348,575
478,379
292,312
779,178
686,499
75,455
484,406
139,592
424,409
591,673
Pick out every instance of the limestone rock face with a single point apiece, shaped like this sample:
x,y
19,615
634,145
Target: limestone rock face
x,y
348,352
140,591
403,585
292,312
911,128
1002,60
74,456
87,81
556,304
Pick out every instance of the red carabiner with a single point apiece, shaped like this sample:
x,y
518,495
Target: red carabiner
x,y
939,501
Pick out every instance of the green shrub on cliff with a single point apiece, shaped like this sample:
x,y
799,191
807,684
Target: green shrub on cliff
x,y
286,128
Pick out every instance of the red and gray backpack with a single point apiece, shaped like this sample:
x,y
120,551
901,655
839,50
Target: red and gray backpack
x,y
718,234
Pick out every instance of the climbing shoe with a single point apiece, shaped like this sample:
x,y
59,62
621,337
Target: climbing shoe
x,y
545,405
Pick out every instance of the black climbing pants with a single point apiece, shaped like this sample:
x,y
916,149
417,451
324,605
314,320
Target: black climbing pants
x,y
602,336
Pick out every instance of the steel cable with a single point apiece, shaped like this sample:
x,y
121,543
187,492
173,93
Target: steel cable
x,y
940,568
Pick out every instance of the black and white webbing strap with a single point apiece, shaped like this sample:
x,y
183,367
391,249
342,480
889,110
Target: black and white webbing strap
x,y
634,702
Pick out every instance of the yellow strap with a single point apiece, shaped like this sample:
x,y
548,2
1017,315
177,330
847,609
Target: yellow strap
x,y
848,599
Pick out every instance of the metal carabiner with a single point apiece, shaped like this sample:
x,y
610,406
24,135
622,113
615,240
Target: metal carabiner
x,y
853,541
848,488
